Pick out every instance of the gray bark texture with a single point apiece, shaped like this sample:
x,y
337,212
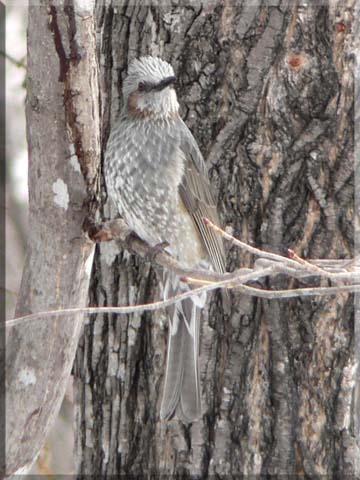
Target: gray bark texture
x,y
267,90
64,152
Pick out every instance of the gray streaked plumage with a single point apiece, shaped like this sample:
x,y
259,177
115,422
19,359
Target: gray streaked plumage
x,y
156,177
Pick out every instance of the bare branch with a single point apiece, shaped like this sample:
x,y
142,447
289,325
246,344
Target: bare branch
x,y
258,292
252,276
269,264
332,269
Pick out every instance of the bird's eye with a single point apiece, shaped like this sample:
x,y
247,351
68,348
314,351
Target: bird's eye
x,y
142,87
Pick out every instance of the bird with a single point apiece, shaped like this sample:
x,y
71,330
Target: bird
x,y
157,179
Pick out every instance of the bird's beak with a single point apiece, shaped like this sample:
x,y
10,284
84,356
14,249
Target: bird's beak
x,y
164,83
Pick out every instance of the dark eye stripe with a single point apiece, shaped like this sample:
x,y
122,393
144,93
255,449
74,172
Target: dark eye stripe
x,y
145,86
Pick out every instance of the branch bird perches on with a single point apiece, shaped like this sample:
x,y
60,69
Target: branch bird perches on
x,y
344,273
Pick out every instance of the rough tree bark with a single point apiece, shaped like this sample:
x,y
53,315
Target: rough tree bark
x,y
62,111
267,90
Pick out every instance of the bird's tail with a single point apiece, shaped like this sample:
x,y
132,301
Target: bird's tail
x,y
182,383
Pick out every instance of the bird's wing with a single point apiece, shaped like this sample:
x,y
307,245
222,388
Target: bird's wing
x,y
195,192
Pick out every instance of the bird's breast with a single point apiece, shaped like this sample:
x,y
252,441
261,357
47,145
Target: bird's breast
x,y
144,166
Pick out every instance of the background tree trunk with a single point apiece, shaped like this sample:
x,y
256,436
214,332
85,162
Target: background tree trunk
x,y
62,111
267,91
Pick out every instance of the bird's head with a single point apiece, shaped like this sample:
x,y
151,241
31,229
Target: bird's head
x,y
148,89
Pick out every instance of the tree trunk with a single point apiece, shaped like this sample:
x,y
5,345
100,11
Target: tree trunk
x,y
62,111
267,91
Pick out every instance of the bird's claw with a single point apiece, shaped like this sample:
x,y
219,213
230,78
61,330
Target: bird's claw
x,y
99,233
155,250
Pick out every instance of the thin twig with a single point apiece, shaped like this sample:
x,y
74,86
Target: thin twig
x,y
17,63
311,267
258,292
253,276
249,248
295,262
298,292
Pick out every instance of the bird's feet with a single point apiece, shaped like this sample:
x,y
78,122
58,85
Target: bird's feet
x,y
104,232
155,250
